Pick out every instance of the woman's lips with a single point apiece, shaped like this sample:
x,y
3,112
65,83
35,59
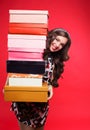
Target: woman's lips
x,y
54,48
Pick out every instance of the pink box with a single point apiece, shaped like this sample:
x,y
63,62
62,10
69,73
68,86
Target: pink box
x,y
24,55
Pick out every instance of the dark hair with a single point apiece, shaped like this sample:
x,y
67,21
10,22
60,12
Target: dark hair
x,y
58,57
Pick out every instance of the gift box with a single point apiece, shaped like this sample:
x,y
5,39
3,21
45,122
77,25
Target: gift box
x,y
30,67
25,55
26,94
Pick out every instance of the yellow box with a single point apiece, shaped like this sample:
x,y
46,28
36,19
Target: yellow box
x,y
26,94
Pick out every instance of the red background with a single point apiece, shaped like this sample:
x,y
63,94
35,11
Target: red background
x,y
70,105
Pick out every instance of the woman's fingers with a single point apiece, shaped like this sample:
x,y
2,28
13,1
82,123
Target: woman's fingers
x,y
50,90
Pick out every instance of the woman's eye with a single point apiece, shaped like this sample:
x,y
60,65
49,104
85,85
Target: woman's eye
x,y
57,39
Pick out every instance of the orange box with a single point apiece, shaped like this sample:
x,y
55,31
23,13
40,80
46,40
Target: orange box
x,y
26,94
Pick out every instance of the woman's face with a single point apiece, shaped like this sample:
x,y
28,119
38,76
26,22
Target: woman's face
x,y
58,43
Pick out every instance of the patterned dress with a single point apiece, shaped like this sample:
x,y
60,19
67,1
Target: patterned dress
x,y
34,114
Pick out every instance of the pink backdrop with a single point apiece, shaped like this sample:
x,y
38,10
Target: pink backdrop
x,y
70,105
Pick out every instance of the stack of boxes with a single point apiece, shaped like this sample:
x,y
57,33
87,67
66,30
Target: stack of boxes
x,y
25,65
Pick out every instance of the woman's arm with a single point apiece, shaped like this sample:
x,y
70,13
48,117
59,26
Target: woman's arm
x,y
50,88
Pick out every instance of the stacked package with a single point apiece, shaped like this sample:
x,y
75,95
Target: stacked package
x,y
25,65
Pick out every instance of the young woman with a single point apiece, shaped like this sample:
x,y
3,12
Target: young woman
x,y
32,115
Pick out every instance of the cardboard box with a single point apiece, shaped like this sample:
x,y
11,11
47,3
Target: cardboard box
x,y
26,94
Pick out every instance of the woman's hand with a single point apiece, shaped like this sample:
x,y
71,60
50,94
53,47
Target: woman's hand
x,y
50,91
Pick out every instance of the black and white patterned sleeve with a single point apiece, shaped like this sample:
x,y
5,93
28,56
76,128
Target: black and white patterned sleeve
x,y
47,77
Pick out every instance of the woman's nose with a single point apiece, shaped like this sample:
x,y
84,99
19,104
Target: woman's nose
x,y
56,43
